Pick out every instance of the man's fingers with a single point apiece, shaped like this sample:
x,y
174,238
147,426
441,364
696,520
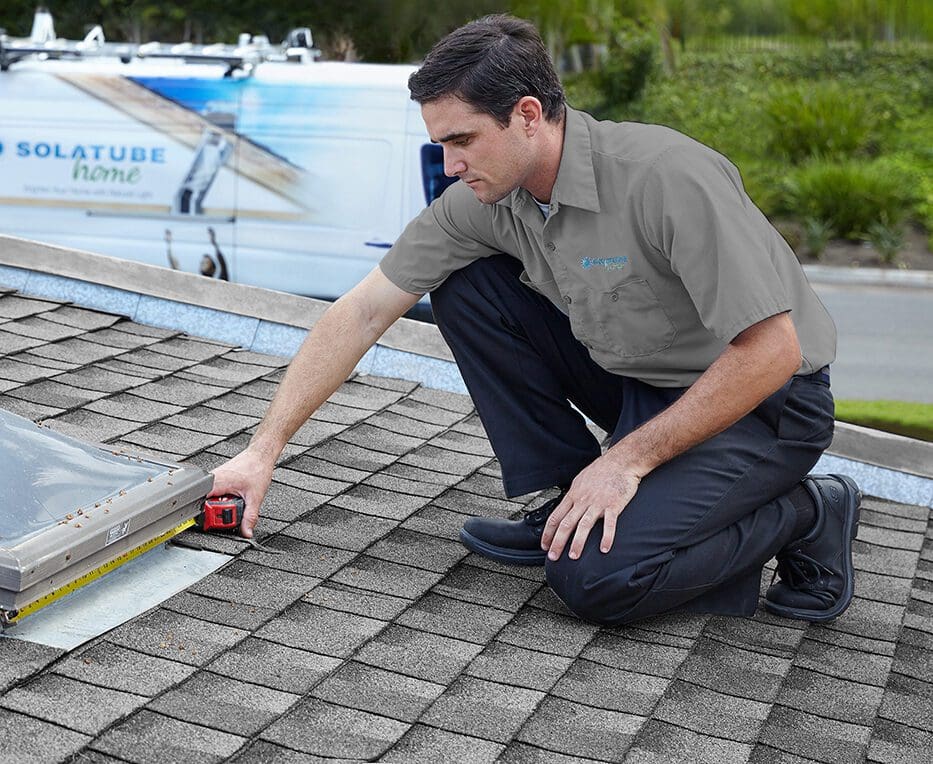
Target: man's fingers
x,y
557,514
584,526
564,528
609,531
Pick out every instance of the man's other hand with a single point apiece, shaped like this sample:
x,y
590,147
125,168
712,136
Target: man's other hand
x,y
601,491
247,475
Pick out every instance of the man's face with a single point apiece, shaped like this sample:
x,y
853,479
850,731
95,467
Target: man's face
x,y
491,159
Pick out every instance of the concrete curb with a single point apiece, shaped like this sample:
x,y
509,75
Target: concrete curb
x,y
827,274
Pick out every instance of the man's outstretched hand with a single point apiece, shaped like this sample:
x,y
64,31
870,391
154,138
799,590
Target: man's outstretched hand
x,y
601,491
247,475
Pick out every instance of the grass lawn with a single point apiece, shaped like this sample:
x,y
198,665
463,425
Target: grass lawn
x,y
915,420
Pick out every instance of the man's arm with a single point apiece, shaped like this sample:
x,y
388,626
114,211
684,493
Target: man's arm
x,y
331,350
754,365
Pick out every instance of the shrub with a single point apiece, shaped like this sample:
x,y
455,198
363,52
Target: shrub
x,y
818,119
849,196
817,234
887,240
629,61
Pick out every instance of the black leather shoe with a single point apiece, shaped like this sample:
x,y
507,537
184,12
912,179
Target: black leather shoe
x,y
513,542
816,577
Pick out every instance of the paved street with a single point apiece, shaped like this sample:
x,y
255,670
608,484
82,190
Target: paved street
x,y
885,341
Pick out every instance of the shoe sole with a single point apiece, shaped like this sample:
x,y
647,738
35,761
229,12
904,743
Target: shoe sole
x,y
502,554
853,497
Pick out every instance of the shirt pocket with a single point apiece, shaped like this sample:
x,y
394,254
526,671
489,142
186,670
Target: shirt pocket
x,y
632,320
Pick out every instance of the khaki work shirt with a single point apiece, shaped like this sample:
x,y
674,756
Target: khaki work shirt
x,y
651,247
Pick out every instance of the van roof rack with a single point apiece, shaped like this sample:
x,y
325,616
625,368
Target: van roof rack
x,y
249,52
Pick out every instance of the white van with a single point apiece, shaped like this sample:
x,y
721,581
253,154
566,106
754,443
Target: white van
x,y
256,164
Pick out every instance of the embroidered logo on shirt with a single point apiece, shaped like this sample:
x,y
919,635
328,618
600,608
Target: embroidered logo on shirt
x,y
609,263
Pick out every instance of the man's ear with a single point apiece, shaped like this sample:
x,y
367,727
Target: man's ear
x,y
530,112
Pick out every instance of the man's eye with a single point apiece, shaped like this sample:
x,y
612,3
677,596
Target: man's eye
x,y
462,142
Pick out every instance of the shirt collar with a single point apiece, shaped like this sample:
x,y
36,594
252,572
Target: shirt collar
x,y
576,178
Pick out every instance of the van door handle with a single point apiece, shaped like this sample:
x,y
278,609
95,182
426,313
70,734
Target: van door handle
x,y
379,244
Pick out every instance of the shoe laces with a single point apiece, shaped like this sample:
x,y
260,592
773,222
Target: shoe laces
x,y
802,572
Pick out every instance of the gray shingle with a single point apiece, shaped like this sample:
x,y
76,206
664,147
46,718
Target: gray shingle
x,y
517,666
455,402
130,369
484,587
257,585
211,421
314,466
52,364
366,436
287,503
131,327
441,460
340,528
349,455
313,483
452,618
418,550
190,348
779,638
303,557
419,654
96,378
109,665
422,412
113,338
854,665
83,318
150,737
264,752
386,577
38,327
222,371
460,442
19,371
577,730
851,642
131,407
827,740
336,596
908,701
597,685
235,403
661,742
897,521
483,709
28,410
429,745
222,703
913,661
19,306
404,485
181,392
875,586
52,393
410,472
328,730
179,637
879,559
711,713
13,343
20,659
894,743
391,421
379,502
831,697
26,739
76,705
337,414
548,632
76,351
482,506
319,630
367,688
877,620
364,396
316,431
618,650
269,664
434,521
386,383
735,671
171,440
259,388
220,611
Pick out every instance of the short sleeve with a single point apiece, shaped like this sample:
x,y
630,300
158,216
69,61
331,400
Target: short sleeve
x,y
446,236
697,214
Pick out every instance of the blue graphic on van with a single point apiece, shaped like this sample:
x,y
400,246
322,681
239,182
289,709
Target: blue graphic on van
x,y
609,263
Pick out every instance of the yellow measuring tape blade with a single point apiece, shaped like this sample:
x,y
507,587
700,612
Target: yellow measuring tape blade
x,y
12,616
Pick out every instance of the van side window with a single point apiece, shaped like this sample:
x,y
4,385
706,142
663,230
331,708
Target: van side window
x,y
432,172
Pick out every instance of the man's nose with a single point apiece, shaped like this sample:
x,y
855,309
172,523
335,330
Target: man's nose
x,y
453,166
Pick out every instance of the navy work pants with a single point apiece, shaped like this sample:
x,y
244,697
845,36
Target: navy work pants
x,y
698,531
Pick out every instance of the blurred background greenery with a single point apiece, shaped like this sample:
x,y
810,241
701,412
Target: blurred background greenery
x,y
824,105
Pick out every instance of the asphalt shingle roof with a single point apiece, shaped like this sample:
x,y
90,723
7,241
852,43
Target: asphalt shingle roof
x,y
377,636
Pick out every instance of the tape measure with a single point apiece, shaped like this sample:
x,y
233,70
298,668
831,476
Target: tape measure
x,y
10,617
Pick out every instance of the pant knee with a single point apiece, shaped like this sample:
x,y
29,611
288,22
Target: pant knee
x,y
587,597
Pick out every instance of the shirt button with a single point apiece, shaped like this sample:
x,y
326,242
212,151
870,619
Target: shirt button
x,y
567,299
551,246
614,297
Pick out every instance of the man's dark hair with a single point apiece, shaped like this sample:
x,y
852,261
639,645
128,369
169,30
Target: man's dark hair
x,y
491,63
